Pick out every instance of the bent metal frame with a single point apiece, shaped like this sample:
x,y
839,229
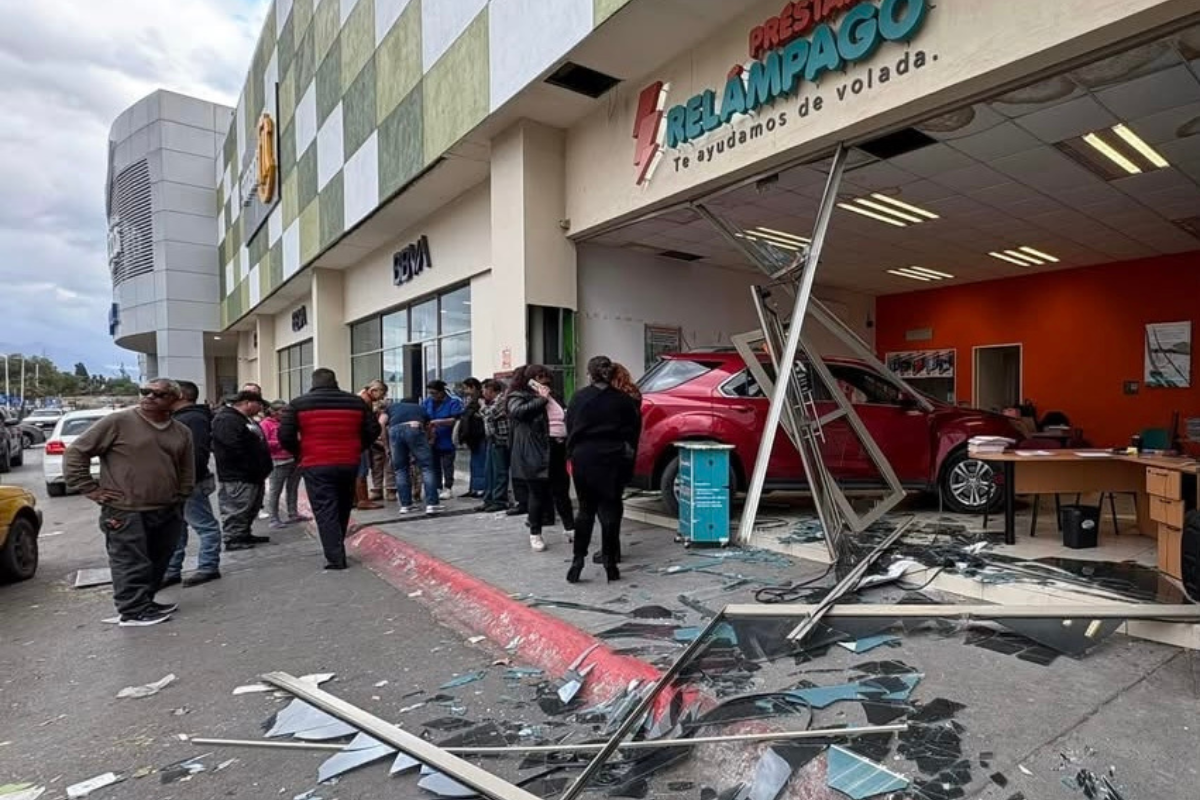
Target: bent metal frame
x,y
792,401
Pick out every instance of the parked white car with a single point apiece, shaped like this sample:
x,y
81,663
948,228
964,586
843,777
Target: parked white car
x,y
69,428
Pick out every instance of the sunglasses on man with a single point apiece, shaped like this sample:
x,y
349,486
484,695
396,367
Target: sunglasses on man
x,y
157,394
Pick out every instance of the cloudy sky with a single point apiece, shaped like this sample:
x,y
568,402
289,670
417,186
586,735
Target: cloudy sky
x,y
67,69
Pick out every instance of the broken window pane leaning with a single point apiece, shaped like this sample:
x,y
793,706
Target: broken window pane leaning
x,y
858,777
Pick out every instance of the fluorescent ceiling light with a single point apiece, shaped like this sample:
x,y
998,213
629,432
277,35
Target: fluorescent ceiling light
x,y
886,210
931,272
772,233
883,198
1138,144
1039,254
1009,259
866,213
910,276
1111,153
793,246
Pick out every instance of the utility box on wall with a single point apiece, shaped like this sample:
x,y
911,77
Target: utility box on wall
x,y
704,492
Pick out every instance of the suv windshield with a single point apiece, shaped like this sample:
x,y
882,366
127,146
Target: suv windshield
x,y
666,375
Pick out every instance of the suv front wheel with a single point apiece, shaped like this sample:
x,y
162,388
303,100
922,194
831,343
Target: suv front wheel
x,y
968,485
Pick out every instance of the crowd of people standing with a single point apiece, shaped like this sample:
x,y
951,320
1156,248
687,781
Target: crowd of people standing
x,y
525,447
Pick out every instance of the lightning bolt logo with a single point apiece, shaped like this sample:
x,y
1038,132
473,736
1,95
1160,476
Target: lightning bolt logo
x,y
648,130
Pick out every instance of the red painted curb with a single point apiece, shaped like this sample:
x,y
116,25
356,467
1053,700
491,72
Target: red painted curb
x,y
476,607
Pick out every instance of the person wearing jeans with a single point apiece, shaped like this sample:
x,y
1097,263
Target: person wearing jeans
x,y
496,430
284,476
197,511
443,410
409,439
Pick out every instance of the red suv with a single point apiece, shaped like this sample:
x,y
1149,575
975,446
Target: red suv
x,y
712,396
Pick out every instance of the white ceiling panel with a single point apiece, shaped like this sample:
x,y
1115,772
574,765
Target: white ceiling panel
x,y
1046,169
879,176
923,192
1152,94
962,123
1043,94
1004,194
1068,120
1160,180
972,178
1165,126
932,160
1002,140
1035,206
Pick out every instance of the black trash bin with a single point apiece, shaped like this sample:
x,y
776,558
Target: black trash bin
x,y
1080,526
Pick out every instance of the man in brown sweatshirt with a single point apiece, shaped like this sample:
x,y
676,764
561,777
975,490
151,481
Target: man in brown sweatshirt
x,y
147,473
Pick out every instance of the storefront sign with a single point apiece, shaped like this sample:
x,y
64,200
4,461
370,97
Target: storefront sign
x,y
300,319
798,47
922,363
259,183
411,262
661,340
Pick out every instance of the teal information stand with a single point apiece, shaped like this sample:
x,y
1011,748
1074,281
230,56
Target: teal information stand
x,y
704,492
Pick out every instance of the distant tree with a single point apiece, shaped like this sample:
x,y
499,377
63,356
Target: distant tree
x,y
81,370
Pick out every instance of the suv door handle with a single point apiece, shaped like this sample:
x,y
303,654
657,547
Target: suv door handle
x,y
742,408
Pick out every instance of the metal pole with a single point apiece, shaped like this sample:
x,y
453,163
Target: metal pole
x,y
846,584
1136,611
777,736
464,772
7,393
788,357
635,717
22,381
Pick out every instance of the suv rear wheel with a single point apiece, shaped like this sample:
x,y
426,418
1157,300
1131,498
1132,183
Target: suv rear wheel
x,y
19,555
968,485
668,484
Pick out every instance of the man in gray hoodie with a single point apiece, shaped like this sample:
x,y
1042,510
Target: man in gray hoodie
x,y
198,511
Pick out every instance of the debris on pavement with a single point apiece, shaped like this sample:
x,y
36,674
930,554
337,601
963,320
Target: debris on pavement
x,y
858,777
95,576
84,788
21,791
183,770
463,680
361,750
148,689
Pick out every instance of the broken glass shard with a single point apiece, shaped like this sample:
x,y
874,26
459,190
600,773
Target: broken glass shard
x,y
403,763
1072,637
652,612
869,643
444,786
770,776
858,777
298,717
487,734
448,723
936,710
884,713
724,632
361,750
463,680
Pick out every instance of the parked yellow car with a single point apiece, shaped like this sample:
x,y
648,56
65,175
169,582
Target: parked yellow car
x,y
20,524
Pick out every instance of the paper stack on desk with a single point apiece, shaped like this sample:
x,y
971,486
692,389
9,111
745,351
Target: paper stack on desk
x,y
989,444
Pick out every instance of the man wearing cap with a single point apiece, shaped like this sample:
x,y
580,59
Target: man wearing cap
x,y
443,410
243,466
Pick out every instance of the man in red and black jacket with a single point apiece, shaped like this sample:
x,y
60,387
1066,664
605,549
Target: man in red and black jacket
x,y
328,430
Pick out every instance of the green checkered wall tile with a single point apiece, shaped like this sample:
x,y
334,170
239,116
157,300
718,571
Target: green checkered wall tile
x,y
286,46
398,62
307,167
333,212
456,89
230,147
358,109
401,145
606,8
287,151
291,198
329,80
287,99
310,231
243,295
275,272
264,275
358,41
258,246
304,63
326,22
302,13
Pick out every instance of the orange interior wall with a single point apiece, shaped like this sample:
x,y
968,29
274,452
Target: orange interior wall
x,y
1083,334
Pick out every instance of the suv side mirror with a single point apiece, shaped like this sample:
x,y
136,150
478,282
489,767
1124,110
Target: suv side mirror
x,y
11,422
908,402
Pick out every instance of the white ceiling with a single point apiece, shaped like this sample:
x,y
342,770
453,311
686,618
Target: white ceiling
x,y
997,182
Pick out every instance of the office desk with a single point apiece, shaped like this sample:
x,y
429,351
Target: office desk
x,y
1066,472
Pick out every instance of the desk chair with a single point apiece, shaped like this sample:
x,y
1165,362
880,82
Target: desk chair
x,y
1035,443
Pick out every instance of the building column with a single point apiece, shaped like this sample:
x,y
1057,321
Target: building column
x,y
268,367
180,357
533,261
331,335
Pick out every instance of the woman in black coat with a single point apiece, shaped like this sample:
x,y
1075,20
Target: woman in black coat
x,y
603,427
538,448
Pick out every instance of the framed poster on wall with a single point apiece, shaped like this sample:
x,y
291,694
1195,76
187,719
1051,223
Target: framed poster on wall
x,y
660,340
922,363
1169,355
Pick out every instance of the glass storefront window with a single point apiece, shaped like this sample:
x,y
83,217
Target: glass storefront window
x,y
441,326
295,370
456,311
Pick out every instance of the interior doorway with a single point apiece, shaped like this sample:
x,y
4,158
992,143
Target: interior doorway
x,y
997,377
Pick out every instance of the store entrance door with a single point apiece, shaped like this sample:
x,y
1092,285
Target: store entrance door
x,y
997,377
414,370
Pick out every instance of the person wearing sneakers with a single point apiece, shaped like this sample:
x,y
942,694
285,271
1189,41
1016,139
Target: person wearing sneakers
x,y
328,429
373,395
408,436
198,512
243,466
284,476
147,473
538,449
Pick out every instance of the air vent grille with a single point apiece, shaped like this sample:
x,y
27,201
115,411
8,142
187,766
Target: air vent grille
x,y
131,231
